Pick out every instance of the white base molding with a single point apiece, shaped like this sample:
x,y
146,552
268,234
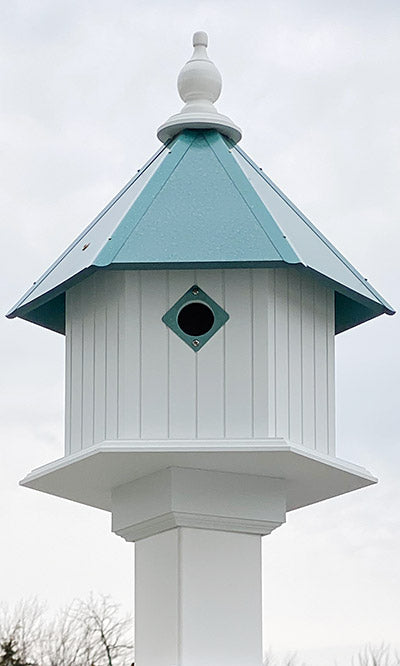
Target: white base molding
x,y
178,497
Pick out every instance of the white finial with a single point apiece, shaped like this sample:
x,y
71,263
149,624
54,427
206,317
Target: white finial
x,y
200,38
199,86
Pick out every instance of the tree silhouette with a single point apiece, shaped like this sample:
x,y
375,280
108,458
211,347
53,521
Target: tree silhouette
x,y
9,654
87,633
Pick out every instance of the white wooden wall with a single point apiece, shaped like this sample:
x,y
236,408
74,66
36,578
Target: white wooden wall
x,y
269,372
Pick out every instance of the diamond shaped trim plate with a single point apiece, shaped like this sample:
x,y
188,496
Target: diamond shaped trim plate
x,y
195,295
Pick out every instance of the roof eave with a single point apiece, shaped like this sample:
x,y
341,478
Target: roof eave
x,y
48,310
351,308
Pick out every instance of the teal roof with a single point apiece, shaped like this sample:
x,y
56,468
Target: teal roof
x,y
200,202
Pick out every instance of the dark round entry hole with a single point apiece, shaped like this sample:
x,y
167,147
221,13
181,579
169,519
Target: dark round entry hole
x,y
195,319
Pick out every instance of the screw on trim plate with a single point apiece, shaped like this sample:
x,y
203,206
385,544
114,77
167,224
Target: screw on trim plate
x,y
195,343
195,291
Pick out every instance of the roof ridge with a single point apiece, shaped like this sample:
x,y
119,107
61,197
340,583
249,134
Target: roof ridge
x,y
144,193
235,166
312,227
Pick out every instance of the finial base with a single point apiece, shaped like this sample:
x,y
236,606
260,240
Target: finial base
x,y
182,121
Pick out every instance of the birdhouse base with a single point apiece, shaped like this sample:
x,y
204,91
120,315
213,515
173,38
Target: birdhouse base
x,y
89,476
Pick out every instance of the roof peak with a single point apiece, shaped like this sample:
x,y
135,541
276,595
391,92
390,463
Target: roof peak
x,y
199,86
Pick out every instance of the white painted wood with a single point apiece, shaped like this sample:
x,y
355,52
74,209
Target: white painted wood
x,y
230,614
307,361
181,497
76,361
88,310
199,85
157,600
68,379
295,406
330,342
129,363
89,476
269,372
321,367
182,384
211,367
154,373
282,353
260,344
270,277
113,292
238,354
99,381
198,599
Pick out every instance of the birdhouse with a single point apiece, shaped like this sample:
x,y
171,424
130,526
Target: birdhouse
x,y
200,310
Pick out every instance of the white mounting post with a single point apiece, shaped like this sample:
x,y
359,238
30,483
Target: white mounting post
x,y
198,599
198,563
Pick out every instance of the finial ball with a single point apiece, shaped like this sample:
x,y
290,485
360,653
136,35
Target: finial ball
x,y
200,38
200,81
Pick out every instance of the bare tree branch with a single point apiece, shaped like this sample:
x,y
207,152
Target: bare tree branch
x,y
88,633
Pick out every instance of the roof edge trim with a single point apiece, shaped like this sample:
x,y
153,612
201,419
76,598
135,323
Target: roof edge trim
x,y
372,308
388,308
82,235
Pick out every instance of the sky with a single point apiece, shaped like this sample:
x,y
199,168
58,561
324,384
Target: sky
x,y
314,87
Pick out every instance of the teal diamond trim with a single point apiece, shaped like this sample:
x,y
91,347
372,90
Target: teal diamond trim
x,y
195,295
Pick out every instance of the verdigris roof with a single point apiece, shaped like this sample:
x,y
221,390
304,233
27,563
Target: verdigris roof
x,y
200,202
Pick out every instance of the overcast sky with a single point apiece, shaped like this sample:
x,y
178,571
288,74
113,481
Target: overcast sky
x,y
315,87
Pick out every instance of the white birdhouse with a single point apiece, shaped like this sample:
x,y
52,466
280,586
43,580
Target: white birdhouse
x,y
200,310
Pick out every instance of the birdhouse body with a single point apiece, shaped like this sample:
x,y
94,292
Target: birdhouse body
x,y
200,310
268,373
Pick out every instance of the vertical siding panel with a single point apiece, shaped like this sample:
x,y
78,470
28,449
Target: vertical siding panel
x,y
76,369
271,297
308,383
88,303
321,367
129,357
210,367
113,290
282,354
68,344
100,357
238,340
260,352
295,380
330,334
182,367
154,355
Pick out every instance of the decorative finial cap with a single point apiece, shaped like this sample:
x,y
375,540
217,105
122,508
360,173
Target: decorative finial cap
x,y
200,38
199,86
